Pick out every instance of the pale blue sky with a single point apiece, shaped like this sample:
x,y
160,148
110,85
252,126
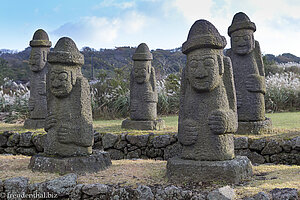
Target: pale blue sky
x,y
160,23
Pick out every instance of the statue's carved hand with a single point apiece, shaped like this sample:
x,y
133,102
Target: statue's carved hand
x,y
64,135
149,96
189,135
218,122
133,106
42,88
239,99
50,122
31,104
255,83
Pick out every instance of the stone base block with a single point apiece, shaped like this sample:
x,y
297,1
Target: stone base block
x,y
144,125
34,123
95,162
254,128
229,171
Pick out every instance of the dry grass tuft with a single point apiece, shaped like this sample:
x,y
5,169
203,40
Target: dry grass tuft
x,y
15,166
129,173
122,172
267,177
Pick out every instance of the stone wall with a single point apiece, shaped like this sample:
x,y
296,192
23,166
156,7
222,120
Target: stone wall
x,y
162,147
66,187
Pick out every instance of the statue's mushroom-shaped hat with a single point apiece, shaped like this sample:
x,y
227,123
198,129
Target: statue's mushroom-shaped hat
x,y
142,53
66,52
40,39
203,34
241,21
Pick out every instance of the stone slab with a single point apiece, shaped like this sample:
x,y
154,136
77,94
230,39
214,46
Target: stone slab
x,y
158,124
34,123
95,162
229,171
254,127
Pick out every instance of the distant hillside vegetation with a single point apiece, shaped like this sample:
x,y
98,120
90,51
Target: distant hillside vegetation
x,y
283,58
15,64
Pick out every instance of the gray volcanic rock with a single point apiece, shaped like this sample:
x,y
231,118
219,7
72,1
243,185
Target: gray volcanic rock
x,y
143,93
69,121
249,75
207,113
40,45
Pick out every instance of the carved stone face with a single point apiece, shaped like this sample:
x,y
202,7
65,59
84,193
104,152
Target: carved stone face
x,y
242,41
203,70
141,71
61,80
38,58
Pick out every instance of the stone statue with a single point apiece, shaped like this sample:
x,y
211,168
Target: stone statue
x,y
249,76
40,45
69,120
143,93
207,113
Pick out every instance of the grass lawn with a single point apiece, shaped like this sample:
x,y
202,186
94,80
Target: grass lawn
x,y
285,120
285,126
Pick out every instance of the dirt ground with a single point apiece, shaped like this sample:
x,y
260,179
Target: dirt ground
x,y
152,172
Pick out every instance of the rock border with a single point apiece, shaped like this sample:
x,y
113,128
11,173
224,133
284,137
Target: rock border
x,y
66,187
160,147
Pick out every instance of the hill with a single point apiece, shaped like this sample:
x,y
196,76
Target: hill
x,y
283,58
15,64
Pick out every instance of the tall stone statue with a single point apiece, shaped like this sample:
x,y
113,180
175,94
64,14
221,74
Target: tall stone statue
x,y
40,45
249,76
69,121
207,113
143,93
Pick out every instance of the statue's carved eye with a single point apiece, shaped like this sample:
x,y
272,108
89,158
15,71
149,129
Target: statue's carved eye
x,y
44,56
193,63
246,37
236,38
209,62
35,55
63,76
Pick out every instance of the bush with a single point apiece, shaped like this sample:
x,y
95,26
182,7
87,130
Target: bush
x,y
168,95
283,92
13,101
110,95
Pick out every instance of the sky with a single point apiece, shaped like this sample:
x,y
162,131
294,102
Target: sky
x,y
162,24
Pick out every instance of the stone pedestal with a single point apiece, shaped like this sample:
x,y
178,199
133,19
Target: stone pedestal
x,y
144,125
255,127
34,123
229,171
95,162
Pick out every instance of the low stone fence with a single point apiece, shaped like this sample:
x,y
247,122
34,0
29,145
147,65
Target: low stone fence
x,y
66,187
162,147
